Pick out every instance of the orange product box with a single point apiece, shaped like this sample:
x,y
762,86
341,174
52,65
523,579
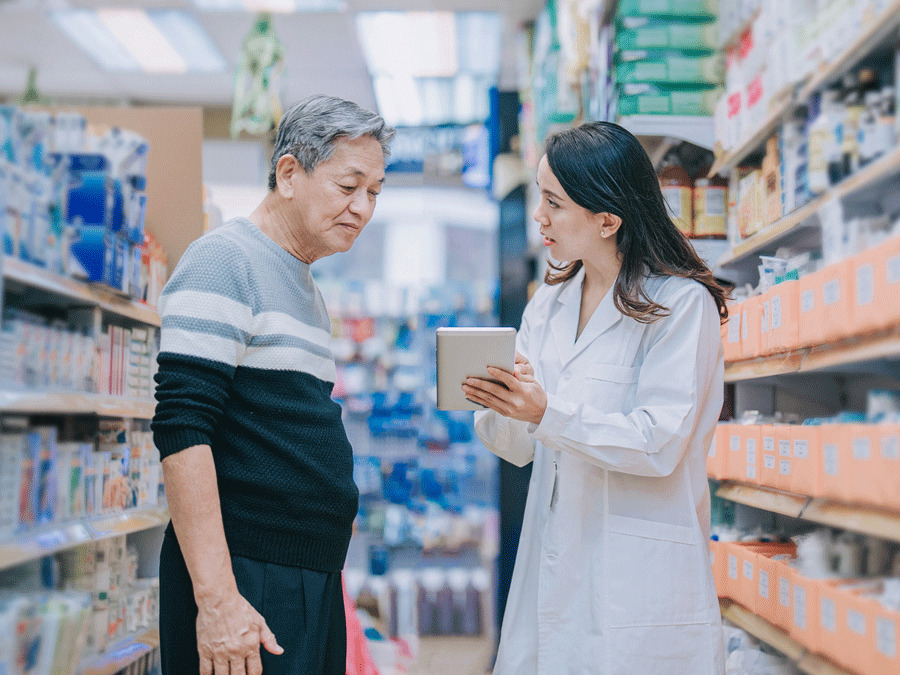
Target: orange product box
x,y
765,311
806,460
750,326
887,461
783,575
735,453
717,555
715,458
768,465
783,436
810,330
731,333
767,604
857,629
731,567
837,294
784,316
867,315
745,589
886,632
858,452
887,281
752,453
835,472
804,627
833,641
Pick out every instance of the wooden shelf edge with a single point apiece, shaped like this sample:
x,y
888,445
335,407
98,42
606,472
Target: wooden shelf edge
x,y
784,503
35,545
85,403
121,655
882,168
806,661
37,277
884,344
863,519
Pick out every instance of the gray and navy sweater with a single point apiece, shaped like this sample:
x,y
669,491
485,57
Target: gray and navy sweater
x,y
245,366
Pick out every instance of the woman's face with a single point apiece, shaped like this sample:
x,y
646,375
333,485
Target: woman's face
x,y
570,231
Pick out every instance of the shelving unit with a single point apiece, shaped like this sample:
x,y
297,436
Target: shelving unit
x,y
879,29
806,661
121,655
19,273
884,345
44,541
658,133
862,519
882,169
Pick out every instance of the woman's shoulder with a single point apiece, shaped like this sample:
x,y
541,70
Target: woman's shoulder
x,y
664,288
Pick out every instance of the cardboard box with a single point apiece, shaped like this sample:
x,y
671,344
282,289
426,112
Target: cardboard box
x,y
765,312
886,481
784,316
810,330
751,442
860,448
736,454
715,459
804,627
806,460
835,454
750,328
768,468
783,443
837,293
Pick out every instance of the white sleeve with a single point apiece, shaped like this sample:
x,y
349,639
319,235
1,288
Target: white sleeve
x,y
507,438
676,380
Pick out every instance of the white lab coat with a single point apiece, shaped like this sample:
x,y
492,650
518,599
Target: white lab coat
x,y
613,574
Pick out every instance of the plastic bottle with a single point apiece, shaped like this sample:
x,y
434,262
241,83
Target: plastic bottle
x,y
675,183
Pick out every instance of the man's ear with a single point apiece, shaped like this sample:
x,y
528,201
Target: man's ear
x,y
285,169
609,224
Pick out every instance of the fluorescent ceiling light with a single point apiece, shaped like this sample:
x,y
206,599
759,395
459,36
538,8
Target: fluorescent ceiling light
x,y
190,40
83,28
140,36
274,6
479,35
412,44
125,40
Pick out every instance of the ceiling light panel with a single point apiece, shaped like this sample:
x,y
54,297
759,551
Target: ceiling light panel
x,y
412,44
128,40
274,6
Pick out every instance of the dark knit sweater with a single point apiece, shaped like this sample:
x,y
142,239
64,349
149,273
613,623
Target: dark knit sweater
x,y
245,366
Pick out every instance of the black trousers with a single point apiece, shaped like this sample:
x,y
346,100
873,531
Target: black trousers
x,y
303,608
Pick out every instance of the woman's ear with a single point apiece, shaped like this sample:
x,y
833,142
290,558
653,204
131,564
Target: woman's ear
x,y
609,224
286,167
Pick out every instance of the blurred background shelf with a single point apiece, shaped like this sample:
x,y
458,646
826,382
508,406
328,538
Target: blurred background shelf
x,y
43,541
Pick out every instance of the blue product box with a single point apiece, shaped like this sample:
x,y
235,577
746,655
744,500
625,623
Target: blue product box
x,y
91,254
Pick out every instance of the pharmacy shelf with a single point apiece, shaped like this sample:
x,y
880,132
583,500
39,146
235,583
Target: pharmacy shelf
x,y
863,519
74,403
884,345
876,32
806,661
32,545
883,168
697,130
121,655
95,295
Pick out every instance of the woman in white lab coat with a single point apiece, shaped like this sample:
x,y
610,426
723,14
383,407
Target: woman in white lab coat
x,y
617,388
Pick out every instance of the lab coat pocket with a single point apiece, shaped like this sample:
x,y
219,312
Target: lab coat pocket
x,y
654,574
610,388
667,650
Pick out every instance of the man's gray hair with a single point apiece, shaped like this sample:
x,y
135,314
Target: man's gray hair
x,y
310,130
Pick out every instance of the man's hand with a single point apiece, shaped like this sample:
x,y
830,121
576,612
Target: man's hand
x,y
517,395
229,632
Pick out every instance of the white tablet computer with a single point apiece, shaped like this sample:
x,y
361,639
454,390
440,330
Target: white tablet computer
x,y
466,352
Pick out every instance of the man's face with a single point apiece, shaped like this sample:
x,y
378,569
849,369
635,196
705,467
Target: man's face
x,y
335,201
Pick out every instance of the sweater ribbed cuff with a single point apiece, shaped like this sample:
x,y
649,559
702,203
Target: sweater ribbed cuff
x,y
175,440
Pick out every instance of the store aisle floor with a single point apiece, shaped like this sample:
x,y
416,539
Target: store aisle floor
x,y
454,656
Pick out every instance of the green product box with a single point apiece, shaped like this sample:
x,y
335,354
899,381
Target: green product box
x,y
654,66
649,33
648,99
695,9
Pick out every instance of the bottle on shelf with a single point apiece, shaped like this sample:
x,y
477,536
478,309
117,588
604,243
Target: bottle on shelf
x,y
824,148
675,182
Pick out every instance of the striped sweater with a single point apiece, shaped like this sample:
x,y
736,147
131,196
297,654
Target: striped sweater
x,y
245,366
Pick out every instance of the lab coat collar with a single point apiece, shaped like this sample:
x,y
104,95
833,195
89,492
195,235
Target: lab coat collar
x,y
565,324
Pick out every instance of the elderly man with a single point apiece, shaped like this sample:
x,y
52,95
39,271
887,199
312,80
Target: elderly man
x,y
257,465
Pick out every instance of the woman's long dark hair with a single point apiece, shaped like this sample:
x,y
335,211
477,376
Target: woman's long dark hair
x,y
604,169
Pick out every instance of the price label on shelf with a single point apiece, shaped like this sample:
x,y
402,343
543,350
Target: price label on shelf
x,y
732,566
807,301
862,449
830,455
769,461
893,269
748,569
890,446
801,449
784,467
831,292
784,448
800,606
